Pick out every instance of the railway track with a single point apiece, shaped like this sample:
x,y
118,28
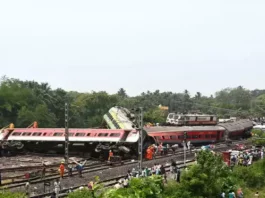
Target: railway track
x,y
108,182
114,180
99,168
88,168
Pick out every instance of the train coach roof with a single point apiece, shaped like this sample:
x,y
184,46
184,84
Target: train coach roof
x,y
237,126
233,126
246,123
183,128
84,130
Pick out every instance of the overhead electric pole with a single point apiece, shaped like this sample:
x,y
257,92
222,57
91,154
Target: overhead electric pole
x,y
185,147
66,135
140,140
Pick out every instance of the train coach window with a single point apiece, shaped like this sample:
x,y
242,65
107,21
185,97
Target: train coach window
x,y
36,134
194,136
103,134
57,134
114,135
207,136
26,134
213,136
88,134
181,137
16,134
173,137
71,134
80,134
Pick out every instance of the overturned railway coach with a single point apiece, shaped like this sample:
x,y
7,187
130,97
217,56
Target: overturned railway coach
x,y
201,134
82,140
119,140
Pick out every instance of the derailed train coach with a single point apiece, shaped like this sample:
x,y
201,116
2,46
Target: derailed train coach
x,y
94,141
201,134
121,137
121,141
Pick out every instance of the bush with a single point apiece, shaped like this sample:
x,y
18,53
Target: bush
x,y
84,193
7,194
173,189
252,176
148,187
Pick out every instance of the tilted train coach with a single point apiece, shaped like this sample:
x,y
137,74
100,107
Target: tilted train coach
x,y
121,138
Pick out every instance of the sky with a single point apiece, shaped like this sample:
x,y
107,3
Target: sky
x,y
170,45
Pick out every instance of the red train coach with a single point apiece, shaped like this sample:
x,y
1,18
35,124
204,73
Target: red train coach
x,y
51,138
195,134
238,129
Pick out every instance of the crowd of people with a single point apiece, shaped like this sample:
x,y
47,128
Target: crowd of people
x,y
156,169
161,149
246,158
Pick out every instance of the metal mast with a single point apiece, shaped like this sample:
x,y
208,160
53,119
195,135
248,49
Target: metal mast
x,y
185,147
140,141
66,135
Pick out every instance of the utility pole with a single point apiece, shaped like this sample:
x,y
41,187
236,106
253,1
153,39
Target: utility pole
x,y
185,147
66,135
140,141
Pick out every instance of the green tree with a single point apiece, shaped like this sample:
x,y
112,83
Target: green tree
x,y
258,105
41,114
155,115
12,98
122,93
258,137
208,178
233,102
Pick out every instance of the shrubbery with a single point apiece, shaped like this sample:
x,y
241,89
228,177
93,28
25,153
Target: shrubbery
x,y
252,176
7,194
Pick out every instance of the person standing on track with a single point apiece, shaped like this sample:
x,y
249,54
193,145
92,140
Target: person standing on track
x,y
110,155
61,169
161,149
163,173
178,174
79,167
57,187
43,172
173,169
27,189
149,154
